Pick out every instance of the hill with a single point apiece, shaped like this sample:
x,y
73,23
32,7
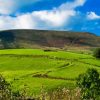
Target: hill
x,y
40,38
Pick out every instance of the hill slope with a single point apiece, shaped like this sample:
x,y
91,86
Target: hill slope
x,y
34,68
31,38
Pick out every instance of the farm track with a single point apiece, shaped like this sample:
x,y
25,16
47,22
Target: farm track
x,y
45,75
50,77
41,74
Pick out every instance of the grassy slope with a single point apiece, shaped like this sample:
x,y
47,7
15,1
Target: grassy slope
x,y
61,68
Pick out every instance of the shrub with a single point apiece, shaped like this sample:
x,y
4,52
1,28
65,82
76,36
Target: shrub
x,y
5,91
97,53
89,83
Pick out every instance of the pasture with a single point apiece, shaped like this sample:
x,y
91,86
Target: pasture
x,y
33,69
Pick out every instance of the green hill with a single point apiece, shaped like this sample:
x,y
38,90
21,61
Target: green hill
x,y
41,38
35,68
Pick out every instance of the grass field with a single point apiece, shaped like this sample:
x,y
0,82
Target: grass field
x,y
36,68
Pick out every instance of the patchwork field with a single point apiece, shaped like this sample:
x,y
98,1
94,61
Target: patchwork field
x,y
34,69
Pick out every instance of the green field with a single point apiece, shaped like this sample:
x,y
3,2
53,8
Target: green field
x,y
36,68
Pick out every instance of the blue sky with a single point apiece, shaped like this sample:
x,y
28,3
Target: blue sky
x,y
70,15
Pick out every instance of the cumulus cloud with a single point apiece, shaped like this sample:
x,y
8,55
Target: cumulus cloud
x,y
6,22
20,22
92,16
26,21
61,15
11,6
53,18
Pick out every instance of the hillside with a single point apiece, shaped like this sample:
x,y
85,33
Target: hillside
x,y
31,38
35,68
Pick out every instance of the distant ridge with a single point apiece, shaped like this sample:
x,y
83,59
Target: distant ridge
x,y
25,38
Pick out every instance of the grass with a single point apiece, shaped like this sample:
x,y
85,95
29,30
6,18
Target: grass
x,y
27,63
53,69
24,79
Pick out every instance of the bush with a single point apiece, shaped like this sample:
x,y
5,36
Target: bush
x,y
89,83
5,91
97,53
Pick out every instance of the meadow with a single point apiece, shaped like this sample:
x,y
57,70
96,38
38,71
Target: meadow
x,y
33,69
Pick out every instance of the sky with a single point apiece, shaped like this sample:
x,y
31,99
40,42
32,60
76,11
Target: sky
x,y
67,15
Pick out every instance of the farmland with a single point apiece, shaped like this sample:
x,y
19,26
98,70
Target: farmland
x,y
37,68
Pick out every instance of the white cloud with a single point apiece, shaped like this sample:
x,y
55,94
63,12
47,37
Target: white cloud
x,y
11,6
20,22
61,15
6,22
92,16
54,18
26,21
72,5
6,6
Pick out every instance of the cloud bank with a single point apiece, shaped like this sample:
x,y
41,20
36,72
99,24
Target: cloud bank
x,y
54,18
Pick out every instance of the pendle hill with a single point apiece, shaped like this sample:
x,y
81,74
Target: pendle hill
x,y
46,38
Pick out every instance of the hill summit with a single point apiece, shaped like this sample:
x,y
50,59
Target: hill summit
x,y
44,38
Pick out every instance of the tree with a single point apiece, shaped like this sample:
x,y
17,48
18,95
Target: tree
x,y
89,83
97,53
